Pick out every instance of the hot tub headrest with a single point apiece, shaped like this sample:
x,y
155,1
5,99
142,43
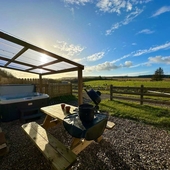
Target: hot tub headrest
x,y
14,89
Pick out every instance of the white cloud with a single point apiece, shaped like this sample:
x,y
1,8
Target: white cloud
x,y
141,1
78,2
145,51
106,66
96,56
152,60
132,15
129,18
68,49
152,49
161,11
145,31
141,64
116,6
80,60
111,6
160,59
128,64
111,65
101,67
129,6
121,58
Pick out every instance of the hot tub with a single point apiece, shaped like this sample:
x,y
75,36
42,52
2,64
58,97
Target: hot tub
x,y
14,99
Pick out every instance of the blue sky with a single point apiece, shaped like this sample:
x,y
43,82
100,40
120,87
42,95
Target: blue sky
x,y
109,37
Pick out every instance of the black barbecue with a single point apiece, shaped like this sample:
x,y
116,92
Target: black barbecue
x,y
87,121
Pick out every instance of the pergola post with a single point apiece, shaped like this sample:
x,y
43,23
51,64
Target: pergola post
x,y
40,82
80,86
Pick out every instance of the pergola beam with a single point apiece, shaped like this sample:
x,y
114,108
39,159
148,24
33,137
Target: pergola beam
x,y
61,71
16,56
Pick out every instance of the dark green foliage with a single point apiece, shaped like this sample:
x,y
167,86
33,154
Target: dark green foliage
x,y
158,75
6,74
62,99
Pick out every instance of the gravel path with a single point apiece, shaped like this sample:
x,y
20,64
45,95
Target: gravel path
x,y
129,145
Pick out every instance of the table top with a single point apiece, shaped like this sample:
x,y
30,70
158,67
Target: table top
x,y
56,111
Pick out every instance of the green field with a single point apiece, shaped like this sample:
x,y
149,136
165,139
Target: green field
x,y
132,83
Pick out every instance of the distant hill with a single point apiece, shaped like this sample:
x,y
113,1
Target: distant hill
x,y
150,76
6,74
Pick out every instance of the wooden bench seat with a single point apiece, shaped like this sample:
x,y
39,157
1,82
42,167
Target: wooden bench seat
x,y
59,156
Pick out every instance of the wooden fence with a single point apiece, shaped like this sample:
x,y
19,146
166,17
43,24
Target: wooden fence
x,y
52,89
141,94
55,89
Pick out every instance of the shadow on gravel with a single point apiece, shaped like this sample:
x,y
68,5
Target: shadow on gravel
x,y
101,156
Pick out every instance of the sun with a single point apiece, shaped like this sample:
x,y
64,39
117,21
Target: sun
x,y
43,58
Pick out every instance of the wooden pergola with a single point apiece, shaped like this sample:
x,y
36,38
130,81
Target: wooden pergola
x,y
19,55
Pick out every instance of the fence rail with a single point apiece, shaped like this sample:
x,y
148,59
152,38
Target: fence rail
x,y
129,93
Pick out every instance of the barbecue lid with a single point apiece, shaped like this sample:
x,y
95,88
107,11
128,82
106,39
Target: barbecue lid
x,y
94,95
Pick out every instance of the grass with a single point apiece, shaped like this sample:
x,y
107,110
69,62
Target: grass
x,y
132,83
157,116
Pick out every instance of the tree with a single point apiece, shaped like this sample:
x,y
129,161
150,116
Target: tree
x,y
4,73
158,75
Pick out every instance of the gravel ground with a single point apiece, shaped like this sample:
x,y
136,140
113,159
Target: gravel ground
x,y
129,145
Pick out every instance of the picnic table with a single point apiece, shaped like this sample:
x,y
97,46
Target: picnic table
x,y
60,156
56,115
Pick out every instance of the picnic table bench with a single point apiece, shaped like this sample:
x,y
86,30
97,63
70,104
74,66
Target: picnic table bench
x,y
59,156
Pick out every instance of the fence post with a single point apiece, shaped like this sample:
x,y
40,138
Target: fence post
x,y
141,94
111,92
